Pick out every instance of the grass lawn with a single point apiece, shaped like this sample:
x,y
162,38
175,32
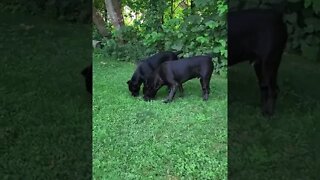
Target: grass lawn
x,y
134,139
286,146
45,125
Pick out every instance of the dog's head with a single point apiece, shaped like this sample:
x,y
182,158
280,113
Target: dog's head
x,y
134,87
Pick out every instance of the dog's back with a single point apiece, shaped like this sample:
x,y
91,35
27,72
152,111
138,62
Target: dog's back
x,y
147,66
187,68
254,33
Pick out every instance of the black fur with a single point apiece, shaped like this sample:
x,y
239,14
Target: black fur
x,y
145,69
258,36
174,73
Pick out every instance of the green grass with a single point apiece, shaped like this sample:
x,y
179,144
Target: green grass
x,y
134,139
45,125
286,146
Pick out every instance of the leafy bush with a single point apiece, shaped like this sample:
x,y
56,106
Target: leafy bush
x,y
197,31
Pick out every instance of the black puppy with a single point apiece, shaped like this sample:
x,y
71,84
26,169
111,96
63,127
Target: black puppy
x,y
87,73
174,73
258,36
146,67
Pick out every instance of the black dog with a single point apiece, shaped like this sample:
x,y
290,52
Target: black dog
x,y
146,68
259,36
87,73
174,73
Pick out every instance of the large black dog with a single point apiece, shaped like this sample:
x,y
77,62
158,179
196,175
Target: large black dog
x,y
146,68
174,73
258,36
87,74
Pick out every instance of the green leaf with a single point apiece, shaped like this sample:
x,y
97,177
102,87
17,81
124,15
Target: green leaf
x,y
177,46
202,39
217,49
211,24
222,42
307,3
292,18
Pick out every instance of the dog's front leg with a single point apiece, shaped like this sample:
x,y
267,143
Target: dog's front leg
x,y
173,89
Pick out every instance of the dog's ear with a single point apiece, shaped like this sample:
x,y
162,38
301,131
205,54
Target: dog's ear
x,y
128,82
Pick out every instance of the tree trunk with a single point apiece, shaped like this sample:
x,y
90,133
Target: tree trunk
x,y
193,5
171,10
99,22
183,4
115,13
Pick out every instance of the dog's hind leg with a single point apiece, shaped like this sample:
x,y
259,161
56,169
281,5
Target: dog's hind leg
x,y
269,84
205,82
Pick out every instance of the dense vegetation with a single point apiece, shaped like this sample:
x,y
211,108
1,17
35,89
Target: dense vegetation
x,y
196,27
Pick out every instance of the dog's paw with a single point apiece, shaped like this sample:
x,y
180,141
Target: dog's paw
x,y
167,101
205,97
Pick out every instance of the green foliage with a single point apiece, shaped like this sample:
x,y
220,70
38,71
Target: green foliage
x,y
134,139
132,49
315,4
162,25
99,4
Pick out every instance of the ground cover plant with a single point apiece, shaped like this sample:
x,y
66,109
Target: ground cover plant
x,y
285,146
45,125
134,139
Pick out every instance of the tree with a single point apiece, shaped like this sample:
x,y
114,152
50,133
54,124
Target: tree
x,y
115,13
99,22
